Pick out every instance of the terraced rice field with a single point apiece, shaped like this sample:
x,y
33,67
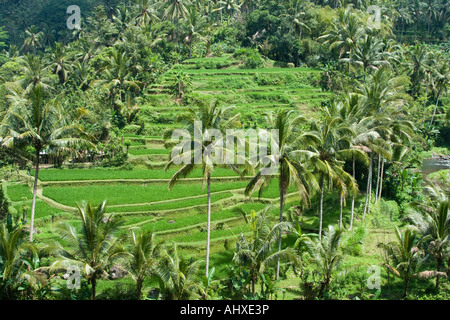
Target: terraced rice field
x,y
141,196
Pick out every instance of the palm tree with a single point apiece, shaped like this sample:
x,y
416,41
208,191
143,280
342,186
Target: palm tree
x,y
344,32
434,224
368,53
146,13
199,144
327,155
13,250
144,254
117,76
259,253
440,84
32,40
404,255
93,248
59,63
195,23
35,73
129,108
36,121
291,170
177,275
325,255
175,11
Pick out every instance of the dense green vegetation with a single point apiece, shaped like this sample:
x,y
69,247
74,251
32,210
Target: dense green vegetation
x,y
88,180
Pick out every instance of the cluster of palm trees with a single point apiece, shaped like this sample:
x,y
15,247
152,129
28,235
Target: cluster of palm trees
x,y
367,126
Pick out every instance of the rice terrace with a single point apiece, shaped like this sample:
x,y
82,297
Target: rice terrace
x,y
90,185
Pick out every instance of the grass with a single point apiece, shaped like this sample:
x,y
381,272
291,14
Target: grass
x,y
139,152
172,205
18,192
116,174
116,194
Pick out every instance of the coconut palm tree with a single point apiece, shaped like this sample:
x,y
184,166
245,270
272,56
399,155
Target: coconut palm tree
x,y
327,156
368,53
144,254
292,172
404,255
94,247
177,275
434,224
326,256
117,76
202,150
194,25
260,252
13,251
36,121
175,11
146,13
58,62
344,33
35,72
33,39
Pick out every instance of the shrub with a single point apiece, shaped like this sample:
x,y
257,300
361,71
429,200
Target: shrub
x,y
251,58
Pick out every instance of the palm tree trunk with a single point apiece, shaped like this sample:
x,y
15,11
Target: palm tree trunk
x,y
353,197
438,269
208,226
381,178
281,216
369,187
321,206
94,285
33,205
139,288
378,179
435,109
341,200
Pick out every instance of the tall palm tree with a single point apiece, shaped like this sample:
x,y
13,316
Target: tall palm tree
x,y
200,144
42,123
292,172
144,254
331,149
260,252
146,12
94,247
